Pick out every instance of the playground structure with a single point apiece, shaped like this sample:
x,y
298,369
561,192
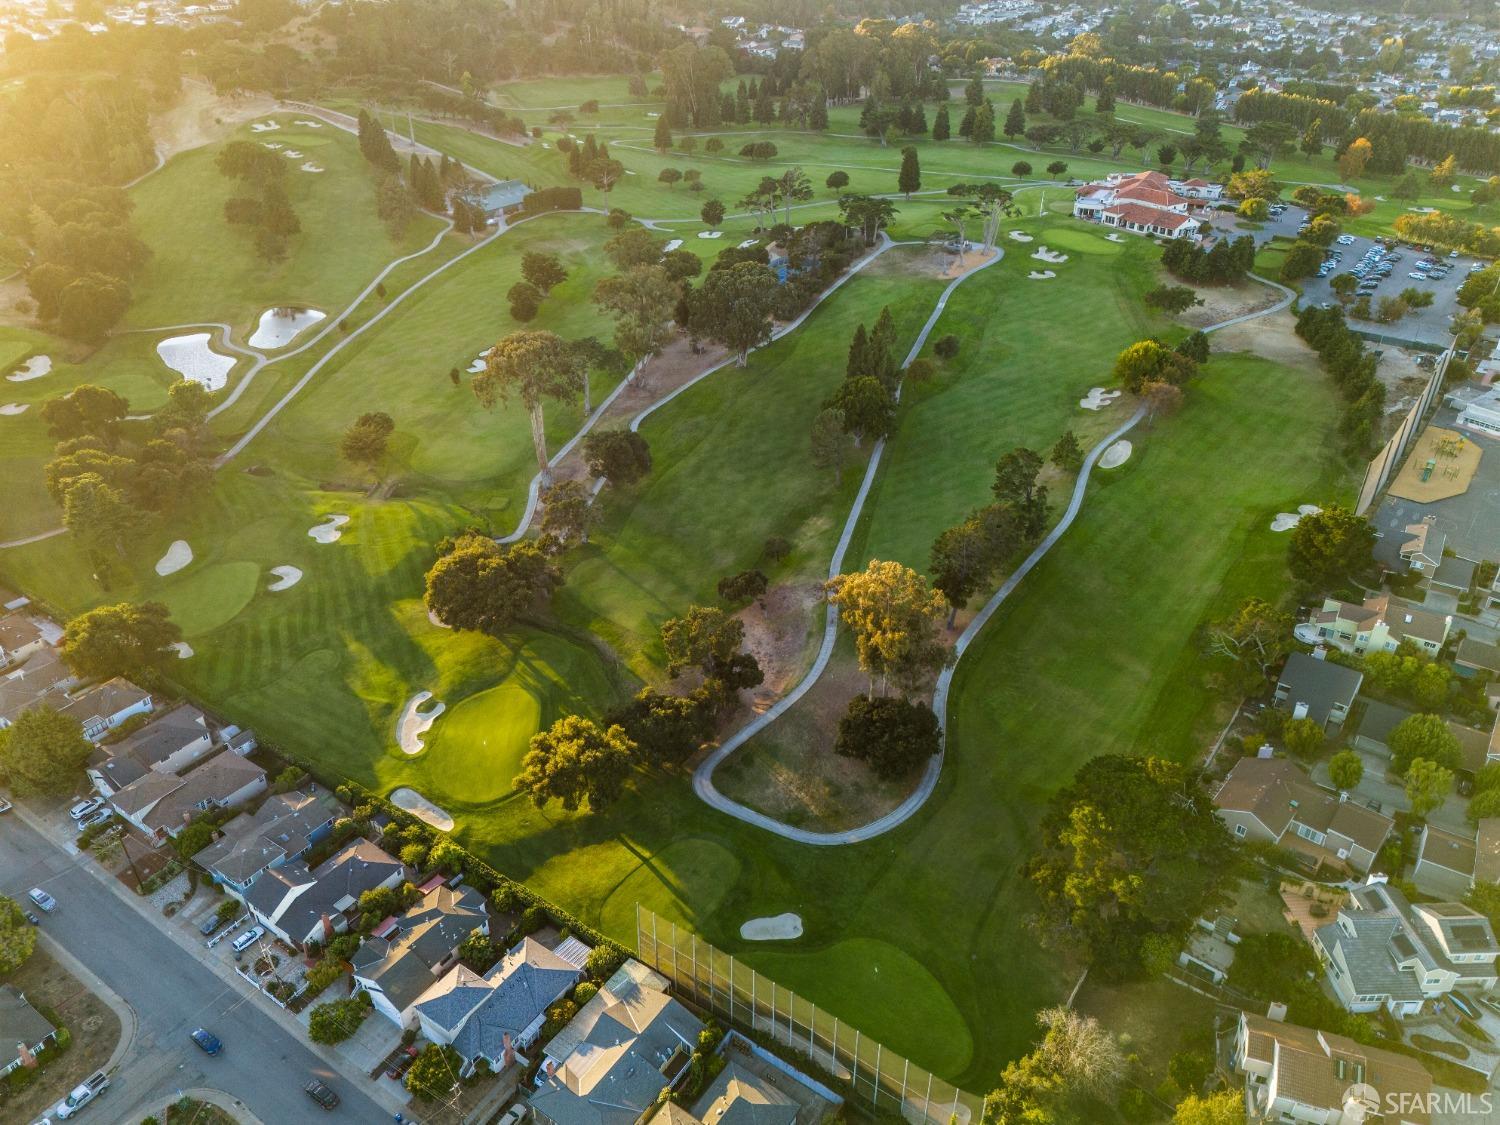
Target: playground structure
x,y
1442,463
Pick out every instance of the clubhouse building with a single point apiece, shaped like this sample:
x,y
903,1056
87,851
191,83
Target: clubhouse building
x,y
1146,203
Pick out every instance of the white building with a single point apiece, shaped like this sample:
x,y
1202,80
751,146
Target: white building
x,y
1143,203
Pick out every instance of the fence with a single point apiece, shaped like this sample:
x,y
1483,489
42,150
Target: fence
x,y
1388,460
880,1079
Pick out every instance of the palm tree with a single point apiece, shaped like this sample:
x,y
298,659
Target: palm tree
x,y
535,366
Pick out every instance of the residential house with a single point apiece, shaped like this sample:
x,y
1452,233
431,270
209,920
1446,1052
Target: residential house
x,y
1379,625
403,957
1198,189
1271,799
1476,658
161,804
741,1096
1297,1074
1445,863
610,1064
1422,546
168,744
20,636
298,905
101,708
1473,748
1144,203
1487,851
282,829
1375,725
1454,575
496,1016
42,680
23,1030
1383,951
1311,687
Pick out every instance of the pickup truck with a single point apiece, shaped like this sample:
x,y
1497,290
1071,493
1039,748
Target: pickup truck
x,y
82,1094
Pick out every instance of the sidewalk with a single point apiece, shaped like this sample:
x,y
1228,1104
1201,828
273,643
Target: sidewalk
x,y
110,997
386,1096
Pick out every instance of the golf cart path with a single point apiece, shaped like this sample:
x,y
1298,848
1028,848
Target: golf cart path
x,y
703,784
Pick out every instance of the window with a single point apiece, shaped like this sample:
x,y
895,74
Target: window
x,y
1310,834
1239,830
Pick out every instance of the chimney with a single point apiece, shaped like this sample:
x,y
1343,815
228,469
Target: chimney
x,y
1277,1012
327,929
551,1068
508,1056
28,1060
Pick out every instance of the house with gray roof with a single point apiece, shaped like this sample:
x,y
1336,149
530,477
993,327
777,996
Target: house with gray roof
x,y
739,1096
612,1061
298,905
22,1027
168,744
1311,687
103,707
43,680
1376,724
20,636
502,197
499,1015
161,804
405,956
1383,951
282,829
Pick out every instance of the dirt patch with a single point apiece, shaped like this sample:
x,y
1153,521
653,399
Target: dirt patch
x,y
202,117
94,1028
777,635
1272,337
1402,377
1225,302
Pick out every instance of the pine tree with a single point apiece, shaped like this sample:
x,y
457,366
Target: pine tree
x,y
1015,120
1105,102
765,112
662,139
1034,98
910,177
940,124
881,354
966,126
974,91
726,107
742,104
919,120
818,118
984,125
859,349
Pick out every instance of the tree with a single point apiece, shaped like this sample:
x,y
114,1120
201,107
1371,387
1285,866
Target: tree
x,y
434,1074
895,618
963,558
1353,159
1303,737
1344,285
1302,260
706,638
1426,737
1057,168
866,406
1016,484
642,300
573,761
90,305
1020,169
478,952
535,366
661,140
983,130
743,587
635,246
837,181
567,514
891,736
1254,210
736,303
88,411
667,729
1131,853
1346,769
42,753
336,1020
942,129
1223,1107
670,176
118,640
1443,173
712,213
486,587
1067,454
1243,649
545,271
830,440
1427,786
364,442
866,214
1077,1063
17,936
910,177
1408,187
1328,547
622,457
1015,120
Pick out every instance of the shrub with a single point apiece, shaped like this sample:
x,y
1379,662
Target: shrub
x,y
920,370
776,548
604,961
336,1020
533,920
585,992
947,347
890,735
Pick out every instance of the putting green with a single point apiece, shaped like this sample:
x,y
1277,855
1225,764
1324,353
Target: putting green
x,y
483,739
880,986
1082,239
684,883
202,600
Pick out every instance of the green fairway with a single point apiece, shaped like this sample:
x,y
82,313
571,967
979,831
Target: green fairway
x,y
695,874
203,598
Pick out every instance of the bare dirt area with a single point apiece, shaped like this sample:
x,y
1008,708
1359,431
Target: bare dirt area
x,y
13,298
777,635
1270,337
1226,302
202,117
927,261
1402,377
94,1029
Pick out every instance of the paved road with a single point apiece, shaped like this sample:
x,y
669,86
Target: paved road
x,y
262,1064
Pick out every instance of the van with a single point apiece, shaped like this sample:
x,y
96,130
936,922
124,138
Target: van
x,y
247,939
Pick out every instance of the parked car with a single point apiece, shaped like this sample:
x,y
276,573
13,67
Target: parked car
x,y
32,918
516,1114
402,1064
83,808
247,939
211,925
98,816
42,899
207,1041
80,1096
321,1094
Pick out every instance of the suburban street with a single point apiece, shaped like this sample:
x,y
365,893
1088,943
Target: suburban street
x,y
262,1064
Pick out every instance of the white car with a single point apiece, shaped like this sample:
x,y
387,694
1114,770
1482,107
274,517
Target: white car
x,y
83,808
516,1114
98,816
1415,276
42,899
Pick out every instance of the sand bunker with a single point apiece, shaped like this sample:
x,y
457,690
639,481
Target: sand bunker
x,y
673,245
328,531
178,555
1042,254
421,808
1285,521
1041,275
273,145
1114,236
192,358
1116,455
279,327
265,126
182,649
414,722
437,622
292,154
33,368
311,167
1019,236
781,927
1458,187
14,408
1098,398
710,234
286,577
307,123
749,242
478,365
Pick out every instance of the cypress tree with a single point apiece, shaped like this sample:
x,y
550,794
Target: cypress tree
x,y
974,91
1015,120
940,131
818,118
1034,98
919,120
910,177
859,358
984,124
966,126
662,139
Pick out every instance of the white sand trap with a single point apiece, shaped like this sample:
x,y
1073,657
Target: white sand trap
x,y
1019,236
10,409
781,927
629,172
673,245
1458,187
710,234
423,809
437,622
265,126
273,145
1116,455
1285,521
1098,398
292,154
178,555
1041,275
279,327
415,722
546,145
1042,254
307,123
33,368
192,358
1114,236
286,578
749,242
478,365
311,167
329,530
182,649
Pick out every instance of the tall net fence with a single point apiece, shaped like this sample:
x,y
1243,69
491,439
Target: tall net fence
x,y
1388,460
715,981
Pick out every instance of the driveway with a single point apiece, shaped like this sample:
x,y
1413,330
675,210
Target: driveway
x,y
1391,796
263,1064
